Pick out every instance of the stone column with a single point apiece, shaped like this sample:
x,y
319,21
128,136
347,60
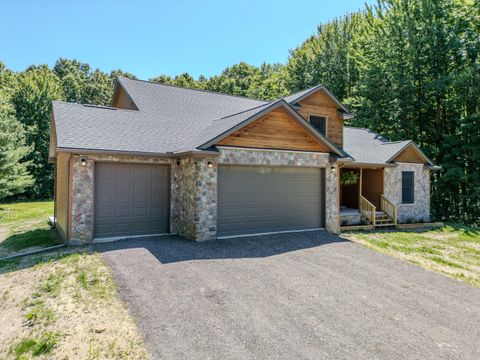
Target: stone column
x,y
332,199
205,207
195,189
82,201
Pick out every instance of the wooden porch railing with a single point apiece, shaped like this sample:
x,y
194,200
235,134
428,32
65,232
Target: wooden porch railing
x,y
368,210
388,208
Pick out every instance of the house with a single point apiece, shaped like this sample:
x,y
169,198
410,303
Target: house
x,y
165,159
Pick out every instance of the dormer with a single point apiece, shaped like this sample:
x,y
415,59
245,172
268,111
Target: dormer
x,y
323,110
121,99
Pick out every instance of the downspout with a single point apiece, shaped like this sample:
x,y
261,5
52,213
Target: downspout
x,y
55,193
68,231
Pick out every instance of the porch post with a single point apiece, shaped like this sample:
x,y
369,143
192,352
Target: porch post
x,y
360,188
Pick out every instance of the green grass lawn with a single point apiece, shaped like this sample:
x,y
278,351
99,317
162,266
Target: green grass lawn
x,y
24,225
450,250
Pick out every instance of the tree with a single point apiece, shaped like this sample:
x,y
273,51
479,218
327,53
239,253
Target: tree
x,y
8,82
457,187
272,84
14,176
74,77
32,99
238,79
326,58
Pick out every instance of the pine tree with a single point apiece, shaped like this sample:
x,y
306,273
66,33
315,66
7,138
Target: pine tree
x,y
14,177
36,89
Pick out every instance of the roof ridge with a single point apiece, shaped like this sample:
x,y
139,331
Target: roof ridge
x,y
299,91
395,142
244,111
356,127
101,107
201,90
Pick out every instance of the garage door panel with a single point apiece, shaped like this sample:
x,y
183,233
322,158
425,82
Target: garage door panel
x,y
131,199
267,199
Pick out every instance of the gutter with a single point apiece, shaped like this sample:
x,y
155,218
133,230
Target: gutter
x,y
360,164
138,153
432,167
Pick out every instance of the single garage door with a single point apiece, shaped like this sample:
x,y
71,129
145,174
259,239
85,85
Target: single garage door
x,y
131,199
258,199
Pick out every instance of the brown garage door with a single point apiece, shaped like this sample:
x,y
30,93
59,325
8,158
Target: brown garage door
x,y
260,199
131,199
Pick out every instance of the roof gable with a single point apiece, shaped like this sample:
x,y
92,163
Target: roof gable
x,y
366,146
274,130
121,99
411,153
304,94
241,120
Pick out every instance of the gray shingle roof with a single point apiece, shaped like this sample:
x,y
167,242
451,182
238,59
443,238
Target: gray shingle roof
x,y
169,117
365,146
292,98
217,127
174,119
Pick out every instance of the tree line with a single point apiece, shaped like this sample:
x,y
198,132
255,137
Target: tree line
x,y
408,69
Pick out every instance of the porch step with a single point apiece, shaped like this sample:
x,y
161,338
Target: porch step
x,y
382,219
391,224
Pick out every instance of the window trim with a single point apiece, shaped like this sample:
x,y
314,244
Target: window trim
x,y
413,188
326,122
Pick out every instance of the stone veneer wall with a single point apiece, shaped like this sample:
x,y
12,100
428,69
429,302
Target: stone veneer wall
x,y
183,195
420,209
196,192
205,200
332,188
193,212
83,180
291,158
193,195
82,202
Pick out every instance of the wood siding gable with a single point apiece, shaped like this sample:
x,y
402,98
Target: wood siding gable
x,y
277,129
320,103
410,155
122,100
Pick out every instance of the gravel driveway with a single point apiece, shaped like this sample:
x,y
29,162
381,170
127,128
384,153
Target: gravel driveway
x,y
292,296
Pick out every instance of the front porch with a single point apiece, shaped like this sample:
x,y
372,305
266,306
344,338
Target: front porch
x,y
363,204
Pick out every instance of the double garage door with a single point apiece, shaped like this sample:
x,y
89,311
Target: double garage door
x,y
262,199
133,199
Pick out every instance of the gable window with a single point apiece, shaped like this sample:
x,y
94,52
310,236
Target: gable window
x,y
408,193
319,123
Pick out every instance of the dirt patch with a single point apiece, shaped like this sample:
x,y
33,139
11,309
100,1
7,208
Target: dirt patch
x,y
72,298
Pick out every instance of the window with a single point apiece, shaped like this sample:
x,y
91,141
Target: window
x,y
319,123
407,187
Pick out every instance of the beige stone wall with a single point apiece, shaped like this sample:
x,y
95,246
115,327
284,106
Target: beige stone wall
x,y
272,157
183,196
83,192
420,209
82,201
193,188
195,194
205,204
332,206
